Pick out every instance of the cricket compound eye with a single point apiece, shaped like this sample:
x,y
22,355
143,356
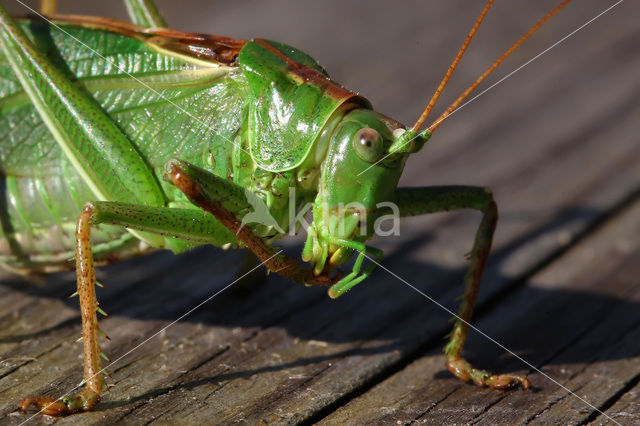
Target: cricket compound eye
x,y
368,145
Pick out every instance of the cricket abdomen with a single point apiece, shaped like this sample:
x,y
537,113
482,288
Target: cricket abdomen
x,y
37,225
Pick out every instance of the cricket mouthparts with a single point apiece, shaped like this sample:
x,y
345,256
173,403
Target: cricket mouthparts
x,y
323,249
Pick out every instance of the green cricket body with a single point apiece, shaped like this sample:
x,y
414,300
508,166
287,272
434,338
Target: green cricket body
x,y
260,114
117,138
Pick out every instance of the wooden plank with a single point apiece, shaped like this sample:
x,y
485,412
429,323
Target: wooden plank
x,y
558,153
625,410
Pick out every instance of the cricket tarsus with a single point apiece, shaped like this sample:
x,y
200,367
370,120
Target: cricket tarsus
x,y
82,401
461,368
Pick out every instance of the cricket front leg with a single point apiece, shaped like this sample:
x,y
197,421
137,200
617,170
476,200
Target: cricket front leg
x,y
355,276
418,201
221,198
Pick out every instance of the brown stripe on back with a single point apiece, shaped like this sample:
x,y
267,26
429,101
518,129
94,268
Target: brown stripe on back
x,y
223,50
309,75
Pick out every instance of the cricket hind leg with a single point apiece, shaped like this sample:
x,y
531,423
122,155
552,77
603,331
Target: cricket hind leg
x,y
219,197
144,13
48,7
418,201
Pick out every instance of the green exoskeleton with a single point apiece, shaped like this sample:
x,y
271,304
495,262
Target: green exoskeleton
x,y
157,136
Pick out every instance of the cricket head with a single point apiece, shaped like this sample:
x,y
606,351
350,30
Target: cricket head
x,y
366,156
359,176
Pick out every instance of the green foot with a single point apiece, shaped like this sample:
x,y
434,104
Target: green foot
x,y
464,371
83,401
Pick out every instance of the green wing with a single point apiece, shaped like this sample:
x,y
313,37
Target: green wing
x,y
148,108
292,100
43,193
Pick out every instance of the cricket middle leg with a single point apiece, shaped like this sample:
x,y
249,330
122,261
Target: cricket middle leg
x,y
189,226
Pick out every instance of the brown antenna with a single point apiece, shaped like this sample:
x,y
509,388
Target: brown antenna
x,y
489,70
452,67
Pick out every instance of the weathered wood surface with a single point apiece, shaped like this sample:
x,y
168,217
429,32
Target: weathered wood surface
x,y
558,143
